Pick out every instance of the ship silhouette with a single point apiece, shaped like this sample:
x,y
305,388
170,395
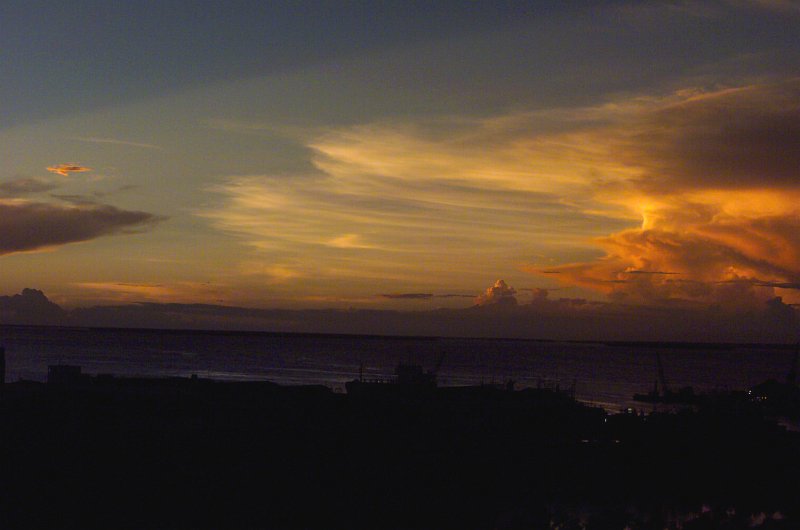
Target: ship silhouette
x,y
409,379
682,396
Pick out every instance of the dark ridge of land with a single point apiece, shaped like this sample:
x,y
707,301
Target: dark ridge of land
x,y
227,332
192,453
699,345
286,334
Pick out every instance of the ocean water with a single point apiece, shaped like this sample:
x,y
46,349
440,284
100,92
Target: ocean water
x,y
606,375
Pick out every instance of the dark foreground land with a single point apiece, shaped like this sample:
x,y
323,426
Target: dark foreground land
x,y
183,453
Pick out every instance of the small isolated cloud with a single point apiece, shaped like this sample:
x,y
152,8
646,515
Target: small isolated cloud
x,y
273,272
539,293
65,169
28,226
24,186
407,296
498,294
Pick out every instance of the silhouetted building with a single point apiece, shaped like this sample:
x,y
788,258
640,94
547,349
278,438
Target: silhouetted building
x,y
63,374
2,369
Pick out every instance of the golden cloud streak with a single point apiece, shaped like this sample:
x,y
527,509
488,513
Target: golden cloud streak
x,y
126,292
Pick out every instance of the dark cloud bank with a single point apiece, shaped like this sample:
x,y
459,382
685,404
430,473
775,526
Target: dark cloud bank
x,y
557,319
737,138
34,225
24,186
715,177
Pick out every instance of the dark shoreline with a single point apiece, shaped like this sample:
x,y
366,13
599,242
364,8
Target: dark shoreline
x,y
195,453
402,338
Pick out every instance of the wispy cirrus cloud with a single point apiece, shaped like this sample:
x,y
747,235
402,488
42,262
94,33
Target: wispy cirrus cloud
x,y
114,141
350,241
456,195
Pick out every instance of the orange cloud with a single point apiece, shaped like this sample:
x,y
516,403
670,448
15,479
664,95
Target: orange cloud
x,y
700,183
707,271
349,241
715,178
66,169
498,294
123,292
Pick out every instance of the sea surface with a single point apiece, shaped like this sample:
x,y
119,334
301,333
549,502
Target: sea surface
x,y
603,374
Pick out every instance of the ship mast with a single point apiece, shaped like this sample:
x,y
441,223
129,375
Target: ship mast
x,y
791,377
661,377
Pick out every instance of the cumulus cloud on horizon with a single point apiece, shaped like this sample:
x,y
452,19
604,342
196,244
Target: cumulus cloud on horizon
x,y
498,294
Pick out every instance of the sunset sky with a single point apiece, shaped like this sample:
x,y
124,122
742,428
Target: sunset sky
x,y
400,155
